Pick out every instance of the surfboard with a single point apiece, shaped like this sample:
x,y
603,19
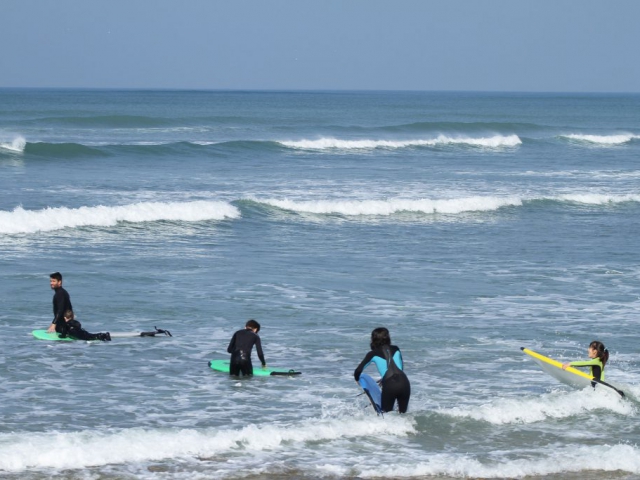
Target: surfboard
x,y
570,376
53,336
223,366
372,390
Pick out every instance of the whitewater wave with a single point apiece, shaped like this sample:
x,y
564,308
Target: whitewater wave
x,y
324,143
616,139
556,460
16,145
597,199
23,451
392,206
48,219
551,406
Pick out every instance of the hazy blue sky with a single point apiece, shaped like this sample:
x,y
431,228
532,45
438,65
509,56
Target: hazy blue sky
x,y
492,45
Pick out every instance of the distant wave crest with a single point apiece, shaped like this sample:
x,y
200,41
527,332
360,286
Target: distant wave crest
x,y
49,219
324,143
597,198
615,139
392,206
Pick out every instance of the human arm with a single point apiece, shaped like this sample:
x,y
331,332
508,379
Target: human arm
x,y
259,351
582,363
232,344
363,364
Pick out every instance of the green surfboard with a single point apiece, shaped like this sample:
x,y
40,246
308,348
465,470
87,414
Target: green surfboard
x,y
223,366
54,336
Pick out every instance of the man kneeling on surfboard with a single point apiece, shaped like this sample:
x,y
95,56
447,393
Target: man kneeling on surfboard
x,y
240,348
73,328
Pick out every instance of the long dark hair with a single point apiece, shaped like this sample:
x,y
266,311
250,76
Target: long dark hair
x,y
380,337
603,353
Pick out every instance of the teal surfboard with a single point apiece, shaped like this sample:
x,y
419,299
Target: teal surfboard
x,y
54,336
258,371
371,388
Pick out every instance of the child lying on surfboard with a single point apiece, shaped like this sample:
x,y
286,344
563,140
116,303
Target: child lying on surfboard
x,y
72,328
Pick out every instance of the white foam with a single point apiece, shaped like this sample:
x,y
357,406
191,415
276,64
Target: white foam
x,y
598,199
616,139
554,406
20,452
555,460
391,206
335,143
16,145
30,221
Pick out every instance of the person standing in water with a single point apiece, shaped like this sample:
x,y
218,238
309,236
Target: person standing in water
x,y
388,360
61,303
240,349
598,358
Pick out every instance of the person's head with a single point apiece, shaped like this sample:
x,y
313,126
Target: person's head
x,y
55,280
68,315
597,350
379,337
252,325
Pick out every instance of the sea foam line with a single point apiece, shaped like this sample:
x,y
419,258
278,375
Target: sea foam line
x,y
392,206
29,221
23,451
335,143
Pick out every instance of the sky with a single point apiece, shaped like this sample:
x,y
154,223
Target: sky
x,y
469,45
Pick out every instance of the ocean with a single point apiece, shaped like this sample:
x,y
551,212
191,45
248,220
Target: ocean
x,y
468,224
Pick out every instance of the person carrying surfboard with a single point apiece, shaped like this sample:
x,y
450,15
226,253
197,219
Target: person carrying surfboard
x,y
73,328
598,355
388,359
61,303
240,349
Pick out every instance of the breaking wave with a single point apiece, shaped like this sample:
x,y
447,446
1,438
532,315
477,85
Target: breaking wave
x,y
616,139
16,145
29,221
495,141
389,207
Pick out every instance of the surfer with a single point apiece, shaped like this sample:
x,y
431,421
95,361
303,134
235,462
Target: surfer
x,y
240,349
61,303
395,384
73,328
598,355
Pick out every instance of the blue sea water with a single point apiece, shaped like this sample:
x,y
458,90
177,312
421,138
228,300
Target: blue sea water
x,y
469,224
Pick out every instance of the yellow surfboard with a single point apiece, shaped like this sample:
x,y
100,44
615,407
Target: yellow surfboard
x,y
570,376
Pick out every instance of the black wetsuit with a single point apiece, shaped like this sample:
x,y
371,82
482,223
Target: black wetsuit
x,y
240,348
74,329
395,384
61,303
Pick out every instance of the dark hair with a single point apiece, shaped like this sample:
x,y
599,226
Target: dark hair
x,y
253,324
603,353
379,337
69,314
56,276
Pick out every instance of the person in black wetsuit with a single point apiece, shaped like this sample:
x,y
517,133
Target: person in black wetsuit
x,y
61,303
395,384
240,348
72,328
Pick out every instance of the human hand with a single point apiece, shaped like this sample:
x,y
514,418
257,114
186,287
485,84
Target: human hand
x,y
52,328
565,365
